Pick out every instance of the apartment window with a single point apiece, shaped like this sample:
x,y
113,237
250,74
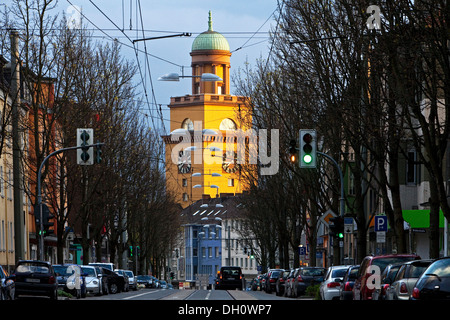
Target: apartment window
x,y
210,252
231,182
185,182
185,197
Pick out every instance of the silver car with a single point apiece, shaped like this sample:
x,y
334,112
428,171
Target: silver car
x,y
329,288
93,282
406,278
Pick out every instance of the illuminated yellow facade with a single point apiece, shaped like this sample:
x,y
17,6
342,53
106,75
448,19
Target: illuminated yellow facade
x,y
206,116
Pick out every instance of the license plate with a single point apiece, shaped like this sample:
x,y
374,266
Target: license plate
x,y
231,279
32,280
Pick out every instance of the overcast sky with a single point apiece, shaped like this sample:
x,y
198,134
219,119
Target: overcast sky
x,y
237,20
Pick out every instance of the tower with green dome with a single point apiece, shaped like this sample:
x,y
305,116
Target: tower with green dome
x,y
211,54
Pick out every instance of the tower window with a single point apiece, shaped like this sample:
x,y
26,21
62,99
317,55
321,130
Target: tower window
x,y
227,124
187,124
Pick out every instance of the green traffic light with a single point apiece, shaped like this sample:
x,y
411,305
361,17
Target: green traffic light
x,y
307,158
340,235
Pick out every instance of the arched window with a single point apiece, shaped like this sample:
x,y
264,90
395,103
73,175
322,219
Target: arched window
x,y
227,124
187,124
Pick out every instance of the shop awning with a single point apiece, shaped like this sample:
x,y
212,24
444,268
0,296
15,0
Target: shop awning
x,y
421,218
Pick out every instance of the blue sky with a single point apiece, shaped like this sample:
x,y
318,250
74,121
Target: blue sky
x,y
237,20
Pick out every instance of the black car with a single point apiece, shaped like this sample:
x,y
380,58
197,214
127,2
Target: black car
x,y
116,283
5,285
434,284
280,284
230,278
34,277
145,280
346,288
307,276
272,277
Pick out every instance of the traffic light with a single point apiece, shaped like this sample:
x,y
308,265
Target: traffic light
x,y
138,251
308,148
98,153
85,155
337,227
47,219
293,151
130,251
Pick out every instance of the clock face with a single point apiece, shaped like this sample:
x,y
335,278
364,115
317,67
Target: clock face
x,y
184,162
229,162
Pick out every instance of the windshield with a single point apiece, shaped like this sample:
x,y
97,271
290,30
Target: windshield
x,y
32,267
384,262
89,271
313,272
339,273
64,270
441,268
143,277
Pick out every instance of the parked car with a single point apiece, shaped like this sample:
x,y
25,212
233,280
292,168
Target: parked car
x,y
230,278
93,281
70,279
434,283
346,287
34,277
106,265
305,277
387,277
371,268
329,288
121,273
263,281
408,274
289,283
144,280
255,284
115,282
279,286
103,280
131,279
271,280
6,285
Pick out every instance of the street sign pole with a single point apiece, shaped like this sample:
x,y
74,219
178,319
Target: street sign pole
x,y
39,195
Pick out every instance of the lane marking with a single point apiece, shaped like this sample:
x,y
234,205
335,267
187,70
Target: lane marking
x,y
138,295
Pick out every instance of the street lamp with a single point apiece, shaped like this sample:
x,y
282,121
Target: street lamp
x,y
206,77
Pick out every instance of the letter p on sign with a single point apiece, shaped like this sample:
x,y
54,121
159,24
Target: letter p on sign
x,y
381,223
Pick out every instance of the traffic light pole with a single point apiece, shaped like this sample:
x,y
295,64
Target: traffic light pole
x,y
342,199
39,195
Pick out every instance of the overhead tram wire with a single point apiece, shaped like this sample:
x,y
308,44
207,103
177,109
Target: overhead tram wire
x,y
136,54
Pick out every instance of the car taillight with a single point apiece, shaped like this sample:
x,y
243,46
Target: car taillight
x,y
347,286
51,280
416,293
385,288
299,278
333,284
403,288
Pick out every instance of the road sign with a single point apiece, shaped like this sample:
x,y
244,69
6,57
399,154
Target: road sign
x,y
381,223
381,237
325,218
302,251
348,225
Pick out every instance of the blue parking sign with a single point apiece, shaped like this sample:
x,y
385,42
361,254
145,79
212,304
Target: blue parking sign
x,y
381,223
302,251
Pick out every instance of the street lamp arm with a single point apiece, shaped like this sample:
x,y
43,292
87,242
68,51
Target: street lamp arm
x,y
184,34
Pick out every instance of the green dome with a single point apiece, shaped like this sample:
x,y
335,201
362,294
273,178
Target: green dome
x,y
210,40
